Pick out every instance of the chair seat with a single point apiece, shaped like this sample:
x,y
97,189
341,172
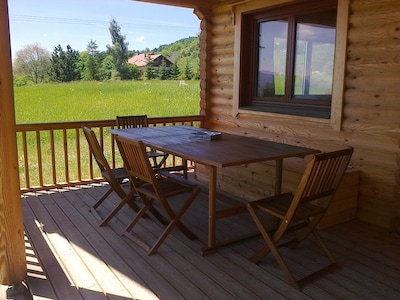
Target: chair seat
x,y
169,186
299,213
114,176
119,174
155,186
279,205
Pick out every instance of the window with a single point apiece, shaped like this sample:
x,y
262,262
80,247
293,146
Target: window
x,y
287,59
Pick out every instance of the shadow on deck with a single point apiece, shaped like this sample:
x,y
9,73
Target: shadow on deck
x,y
70,257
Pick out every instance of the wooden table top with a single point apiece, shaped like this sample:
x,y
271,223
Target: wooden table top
x,y
229,150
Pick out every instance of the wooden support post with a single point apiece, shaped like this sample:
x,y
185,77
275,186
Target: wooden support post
x,y
12,244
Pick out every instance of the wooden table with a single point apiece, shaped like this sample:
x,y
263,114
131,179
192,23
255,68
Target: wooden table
x,y
229,150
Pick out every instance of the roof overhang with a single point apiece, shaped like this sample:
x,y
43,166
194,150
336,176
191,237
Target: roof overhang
x,y
182,3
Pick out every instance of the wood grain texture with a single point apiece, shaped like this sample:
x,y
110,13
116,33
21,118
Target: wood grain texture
x,y
368,256
371,109
12,254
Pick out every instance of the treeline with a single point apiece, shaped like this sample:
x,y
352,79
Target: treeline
x,y
33,64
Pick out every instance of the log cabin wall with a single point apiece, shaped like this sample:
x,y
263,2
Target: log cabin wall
x,y
371,106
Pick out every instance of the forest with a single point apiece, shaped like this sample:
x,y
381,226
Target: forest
x,y
35,65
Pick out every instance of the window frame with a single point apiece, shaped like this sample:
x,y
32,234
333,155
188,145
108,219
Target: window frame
x,y
336,107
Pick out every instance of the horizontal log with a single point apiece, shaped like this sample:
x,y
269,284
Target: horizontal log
x,y
377,114
369,7
384,14
316,135
371,83
362,126
384,34
222,100
383,68
221,70
221,91
228,51
362,53
372,98
222,80
224,59
223,29
227,40
222,18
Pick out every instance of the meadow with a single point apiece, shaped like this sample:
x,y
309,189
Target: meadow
x,y
81,101
84,101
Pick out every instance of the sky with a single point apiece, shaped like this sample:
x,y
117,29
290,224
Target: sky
x,y
76,22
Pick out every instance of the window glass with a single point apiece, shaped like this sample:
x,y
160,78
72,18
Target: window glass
x,y
315,46
272,58
287,59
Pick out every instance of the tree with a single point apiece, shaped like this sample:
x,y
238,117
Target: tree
x,y
163,73
133,72
174,73
106,68
118,50
150,72
32,64
187,71
90,62
64,64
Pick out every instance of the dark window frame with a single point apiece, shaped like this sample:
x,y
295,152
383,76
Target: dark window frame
x,y
249,62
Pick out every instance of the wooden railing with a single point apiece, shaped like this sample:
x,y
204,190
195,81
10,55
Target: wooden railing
x,y
54,155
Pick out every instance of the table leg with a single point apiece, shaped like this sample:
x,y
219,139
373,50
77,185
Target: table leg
x,y
213,215
212,200
278,176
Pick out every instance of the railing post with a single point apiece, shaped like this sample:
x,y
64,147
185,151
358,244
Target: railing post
x,y
12,244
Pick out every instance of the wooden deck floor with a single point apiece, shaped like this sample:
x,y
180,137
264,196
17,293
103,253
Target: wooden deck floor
x,y
71,257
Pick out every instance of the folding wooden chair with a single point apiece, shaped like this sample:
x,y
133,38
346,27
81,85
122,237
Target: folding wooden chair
x,y
302,211
151,188
114,176
140,121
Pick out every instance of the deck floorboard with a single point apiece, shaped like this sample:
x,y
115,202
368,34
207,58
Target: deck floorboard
x,y
70,257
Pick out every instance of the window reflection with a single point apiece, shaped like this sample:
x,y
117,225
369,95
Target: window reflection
x,y
315,46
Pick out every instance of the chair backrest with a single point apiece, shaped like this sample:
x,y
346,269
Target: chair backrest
x,y
97,152
132,121
322,177
138,165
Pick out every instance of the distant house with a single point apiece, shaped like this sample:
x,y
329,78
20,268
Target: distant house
x,y
141,60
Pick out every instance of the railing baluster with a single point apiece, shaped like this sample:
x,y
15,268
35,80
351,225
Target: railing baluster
x,y
53,157
39,157
26,160
65,147
57,147
78,154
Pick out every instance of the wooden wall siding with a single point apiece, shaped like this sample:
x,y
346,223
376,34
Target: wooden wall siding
x,y
371,106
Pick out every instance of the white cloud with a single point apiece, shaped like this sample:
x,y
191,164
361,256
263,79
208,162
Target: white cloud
x,y
140,39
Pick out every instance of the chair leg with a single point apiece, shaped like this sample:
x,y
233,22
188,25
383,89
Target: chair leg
x,y
271,246
189,234
124,201
324,247
175,221
101,200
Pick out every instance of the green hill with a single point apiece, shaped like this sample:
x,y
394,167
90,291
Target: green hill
x,y
183,51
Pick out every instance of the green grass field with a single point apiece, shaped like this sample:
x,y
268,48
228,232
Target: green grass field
x,y
81,101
